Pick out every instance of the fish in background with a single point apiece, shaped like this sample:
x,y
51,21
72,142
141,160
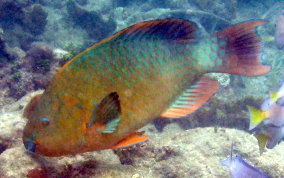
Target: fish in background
x,y
268,136
279,31
273,97
100,98
240,168
271,111
267,124
278,37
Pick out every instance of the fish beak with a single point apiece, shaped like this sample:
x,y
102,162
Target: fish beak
x,y
30,146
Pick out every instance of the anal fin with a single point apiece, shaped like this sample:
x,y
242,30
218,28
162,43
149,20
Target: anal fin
x,y
132,139
262,140
193,98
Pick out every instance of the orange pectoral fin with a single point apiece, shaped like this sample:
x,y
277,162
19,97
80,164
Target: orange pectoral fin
x,y
131,140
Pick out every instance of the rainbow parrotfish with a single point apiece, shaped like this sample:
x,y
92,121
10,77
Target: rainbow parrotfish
x,y
100,98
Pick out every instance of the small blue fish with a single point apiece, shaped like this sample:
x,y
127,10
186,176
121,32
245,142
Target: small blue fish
x,y
241,169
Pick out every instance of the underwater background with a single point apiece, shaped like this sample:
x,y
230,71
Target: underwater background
x,y
37,37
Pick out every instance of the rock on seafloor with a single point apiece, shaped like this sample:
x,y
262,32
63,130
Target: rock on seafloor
x,y
173,153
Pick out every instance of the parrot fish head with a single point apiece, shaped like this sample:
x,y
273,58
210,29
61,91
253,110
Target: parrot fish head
x,y
39,132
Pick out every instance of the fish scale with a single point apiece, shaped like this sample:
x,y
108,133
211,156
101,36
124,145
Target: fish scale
x,y
139,62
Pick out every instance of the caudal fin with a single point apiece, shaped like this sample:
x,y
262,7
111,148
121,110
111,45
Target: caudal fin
x,y
240,49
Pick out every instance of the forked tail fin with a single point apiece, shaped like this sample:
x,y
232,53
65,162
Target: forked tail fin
x,y
240,49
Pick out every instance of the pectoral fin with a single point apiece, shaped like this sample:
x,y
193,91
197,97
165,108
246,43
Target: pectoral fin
x,y
106,114
132,139
193,98
110,126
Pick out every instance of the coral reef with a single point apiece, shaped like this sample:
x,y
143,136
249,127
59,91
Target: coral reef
x,y
31,18
25,22
35,19
11,13
5,56
82,2
52,4
226,9
21,21
122,3
173,4
91,21
39,56
31,72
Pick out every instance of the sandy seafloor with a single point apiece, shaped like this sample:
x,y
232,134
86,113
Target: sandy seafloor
x,y
171,153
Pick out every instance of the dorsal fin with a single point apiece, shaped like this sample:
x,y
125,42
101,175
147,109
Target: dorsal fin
x,y
168,29
192,98
256,116
106,111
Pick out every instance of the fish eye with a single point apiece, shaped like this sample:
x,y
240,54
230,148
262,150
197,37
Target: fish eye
x,y
45,121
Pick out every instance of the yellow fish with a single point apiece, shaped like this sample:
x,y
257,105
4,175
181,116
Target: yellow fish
x,y
100,98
